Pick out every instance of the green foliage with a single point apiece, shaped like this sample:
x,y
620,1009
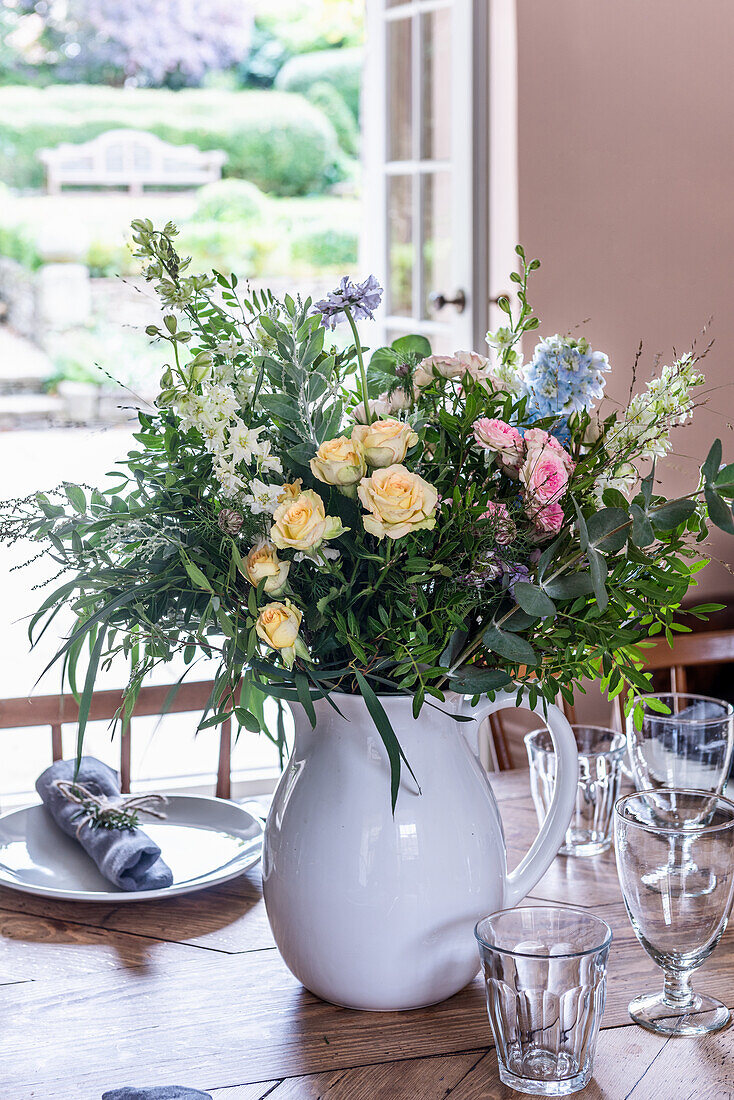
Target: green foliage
x,y
326,247
342,69
17,243
280,142
229,245
326,97
230,200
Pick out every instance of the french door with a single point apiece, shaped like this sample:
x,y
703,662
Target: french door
x,y
425,111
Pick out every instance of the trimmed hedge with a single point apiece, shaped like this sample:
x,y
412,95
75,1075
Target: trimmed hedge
x,y
340,68
230,200
279,141
327,99
326,247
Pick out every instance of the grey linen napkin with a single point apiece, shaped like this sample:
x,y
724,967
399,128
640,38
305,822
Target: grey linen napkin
x,y
127,857
164,1092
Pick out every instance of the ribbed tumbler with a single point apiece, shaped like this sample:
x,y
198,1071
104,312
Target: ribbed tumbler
x,y
545,972
601,752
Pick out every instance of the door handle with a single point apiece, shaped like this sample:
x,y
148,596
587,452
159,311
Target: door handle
x,y
438,301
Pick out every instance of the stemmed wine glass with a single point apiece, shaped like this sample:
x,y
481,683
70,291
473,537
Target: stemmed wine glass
x,y
677,923
688,747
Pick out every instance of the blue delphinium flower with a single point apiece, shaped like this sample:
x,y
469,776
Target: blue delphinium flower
x,y
361,299
564,376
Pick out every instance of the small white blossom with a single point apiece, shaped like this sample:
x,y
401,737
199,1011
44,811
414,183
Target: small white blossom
x,y
214,437
222,399
231,347
244,442
228,477
323,553
269,463
262,498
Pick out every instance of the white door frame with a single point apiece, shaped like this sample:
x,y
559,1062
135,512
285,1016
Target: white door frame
x,y
469,165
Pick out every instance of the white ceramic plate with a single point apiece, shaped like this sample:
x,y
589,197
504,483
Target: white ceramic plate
x,y
203,840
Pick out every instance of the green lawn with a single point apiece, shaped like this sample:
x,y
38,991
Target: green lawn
x,y
295,236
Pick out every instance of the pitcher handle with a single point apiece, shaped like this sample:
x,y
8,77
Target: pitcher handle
x,y
544,848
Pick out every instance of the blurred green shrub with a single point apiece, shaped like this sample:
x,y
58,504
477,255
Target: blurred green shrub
x,y
326,247
228,246
105,258
17,243
230,200
279,141
331,102
341,68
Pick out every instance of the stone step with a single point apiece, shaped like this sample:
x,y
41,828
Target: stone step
x,y
27,410
24,367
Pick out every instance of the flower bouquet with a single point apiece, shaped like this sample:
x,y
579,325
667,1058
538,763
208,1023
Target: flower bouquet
x,y
408,525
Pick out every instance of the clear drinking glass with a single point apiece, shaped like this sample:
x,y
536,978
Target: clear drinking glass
x,y
601,752
689,748
545,974
675,860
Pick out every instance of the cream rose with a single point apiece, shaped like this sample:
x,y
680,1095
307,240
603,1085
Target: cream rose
x,y
263,563
302,524
290,490
278,625
398,502
378,406
452,366
340,462
385,442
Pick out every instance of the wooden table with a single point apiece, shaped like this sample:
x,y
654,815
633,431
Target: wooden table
x,y
192,991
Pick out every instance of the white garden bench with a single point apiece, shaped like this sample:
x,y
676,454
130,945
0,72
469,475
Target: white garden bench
x,y
129,158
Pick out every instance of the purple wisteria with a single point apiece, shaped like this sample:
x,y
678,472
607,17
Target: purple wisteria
x,y
361,299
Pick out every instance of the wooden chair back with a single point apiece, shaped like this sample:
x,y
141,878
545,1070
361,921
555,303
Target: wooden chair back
x,y
689,651
55,710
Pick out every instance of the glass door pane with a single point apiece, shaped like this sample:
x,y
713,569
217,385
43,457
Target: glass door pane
x,y
419,174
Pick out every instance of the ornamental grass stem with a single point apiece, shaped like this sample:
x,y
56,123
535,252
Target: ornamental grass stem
x,y
360,360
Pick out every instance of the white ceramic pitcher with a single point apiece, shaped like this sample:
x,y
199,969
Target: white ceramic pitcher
x,y
375,911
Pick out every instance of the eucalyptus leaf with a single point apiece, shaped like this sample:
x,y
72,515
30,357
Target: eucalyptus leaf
x,y
608,529
711,465
533,600
724,482
510,646
570,586
473,680
672,515
719,511
642,532
76,497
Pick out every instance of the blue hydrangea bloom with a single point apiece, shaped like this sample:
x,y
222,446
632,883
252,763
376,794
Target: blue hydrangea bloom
x,y
564,376
362,299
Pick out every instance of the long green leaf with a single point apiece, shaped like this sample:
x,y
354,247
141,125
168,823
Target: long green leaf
x,y
86,699
394,751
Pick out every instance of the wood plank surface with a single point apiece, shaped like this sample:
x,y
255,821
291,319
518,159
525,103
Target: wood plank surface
x,y
192,991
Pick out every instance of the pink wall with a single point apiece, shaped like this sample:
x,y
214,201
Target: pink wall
x,y
626,169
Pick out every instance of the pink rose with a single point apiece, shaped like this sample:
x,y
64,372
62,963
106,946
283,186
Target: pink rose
x,y
537,439
503,439
545,477
548,520
504,529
